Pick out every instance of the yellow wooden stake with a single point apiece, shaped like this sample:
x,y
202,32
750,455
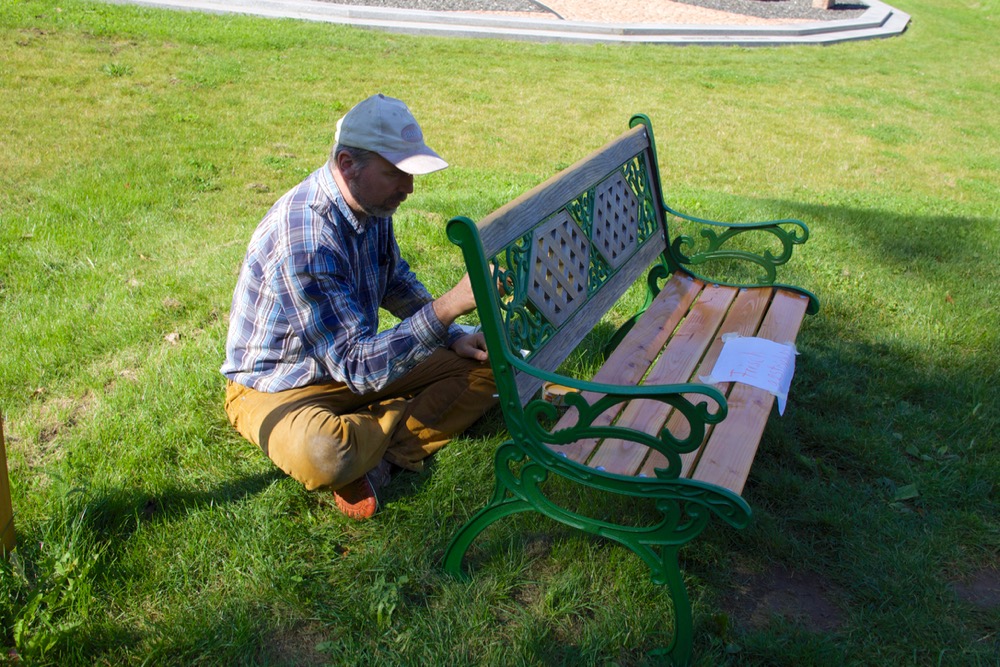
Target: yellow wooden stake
x,y
7,538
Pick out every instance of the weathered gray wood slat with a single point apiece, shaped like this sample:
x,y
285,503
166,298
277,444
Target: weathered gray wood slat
x,y
510,222
586,318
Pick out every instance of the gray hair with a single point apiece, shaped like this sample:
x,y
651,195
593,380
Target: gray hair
x,y
360,156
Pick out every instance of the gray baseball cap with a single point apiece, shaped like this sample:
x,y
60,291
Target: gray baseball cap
x,y
386,126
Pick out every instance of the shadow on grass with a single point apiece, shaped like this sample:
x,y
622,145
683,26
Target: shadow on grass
x,y
940,248
869,370
116,514
235,631
893,367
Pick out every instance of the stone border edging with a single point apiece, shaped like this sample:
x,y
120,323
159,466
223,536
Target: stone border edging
x,y
879,21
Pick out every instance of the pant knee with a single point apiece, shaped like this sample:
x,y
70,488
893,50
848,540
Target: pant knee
x,y
317,461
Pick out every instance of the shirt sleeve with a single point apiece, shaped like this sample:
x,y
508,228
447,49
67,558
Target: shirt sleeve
x,y
324,311
405,295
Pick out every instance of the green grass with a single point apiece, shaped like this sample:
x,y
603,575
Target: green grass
x,y
141,147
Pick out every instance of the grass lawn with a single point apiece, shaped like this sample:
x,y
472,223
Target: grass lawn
x,y
139,150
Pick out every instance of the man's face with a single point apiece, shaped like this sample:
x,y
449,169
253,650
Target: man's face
x,y
379,187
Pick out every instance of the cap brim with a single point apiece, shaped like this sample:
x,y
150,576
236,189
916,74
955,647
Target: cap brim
x,y
416,164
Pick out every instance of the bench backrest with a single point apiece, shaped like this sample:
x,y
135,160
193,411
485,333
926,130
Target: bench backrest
x,y
547,266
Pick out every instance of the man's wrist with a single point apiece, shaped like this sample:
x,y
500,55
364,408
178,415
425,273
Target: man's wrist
x,y
444,310
441,331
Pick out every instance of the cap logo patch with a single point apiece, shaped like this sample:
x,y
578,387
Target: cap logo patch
x,y
412,134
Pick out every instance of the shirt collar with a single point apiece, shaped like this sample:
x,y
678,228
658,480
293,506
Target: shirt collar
x,y
329,186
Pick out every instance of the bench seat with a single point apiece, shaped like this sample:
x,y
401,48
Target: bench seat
x,y
678,340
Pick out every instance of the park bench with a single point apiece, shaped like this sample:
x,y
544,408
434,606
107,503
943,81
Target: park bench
x,y
546,270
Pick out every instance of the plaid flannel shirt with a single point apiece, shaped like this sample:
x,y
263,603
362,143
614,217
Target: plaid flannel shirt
x,y
305,308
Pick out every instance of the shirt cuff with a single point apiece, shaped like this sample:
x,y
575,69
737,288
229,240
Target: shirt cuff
x,y
454,333
429,330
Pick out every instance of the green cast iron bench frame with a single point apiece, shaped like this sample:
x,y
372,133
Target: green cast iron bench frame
x,y
546,268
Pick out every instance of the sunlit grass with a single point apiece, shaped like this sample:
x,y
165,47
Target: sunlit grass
x,y
141,147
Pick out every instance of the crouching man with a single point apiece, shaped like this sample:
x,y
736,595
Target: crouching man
x,y
310,379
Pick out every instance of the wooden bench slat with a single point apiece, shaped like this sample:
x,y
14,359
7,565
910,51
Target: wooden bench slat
x,y
630,361
646,339
675,365
732,446
743,318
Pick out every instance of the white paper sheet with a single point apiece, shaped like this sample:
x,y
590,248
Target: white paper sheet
x,y
757,362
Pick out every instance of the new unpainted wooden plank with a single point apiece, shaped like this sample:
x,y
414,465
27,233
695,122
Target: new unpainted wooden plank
x,y
630,361
730,450
514,219
679,358
743,318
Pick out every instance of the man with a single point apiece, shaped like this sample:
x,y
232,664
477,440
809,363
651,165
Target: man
x,y
310,379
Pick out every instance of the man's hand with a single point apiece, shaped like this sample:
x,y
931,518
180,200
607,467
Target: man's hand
x,y
471,346
457,302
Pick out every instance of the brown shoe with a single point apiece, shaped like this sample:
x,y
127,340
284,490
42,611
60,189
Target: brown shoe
x,y
359,499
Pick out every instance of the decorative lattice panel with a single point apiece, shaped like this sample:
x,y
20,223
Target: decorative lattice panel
x,y
616,212
559,264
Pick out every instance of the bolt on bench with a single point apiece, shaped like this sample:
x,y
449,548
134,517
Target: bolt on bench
x,y
546,269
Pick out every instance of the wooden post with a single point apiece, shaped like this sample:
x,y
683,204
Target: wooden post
x,y
823,4
7,538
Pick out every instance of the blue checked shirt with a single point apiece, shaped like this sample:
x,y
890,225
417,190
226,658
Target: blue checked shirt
x,y
305,309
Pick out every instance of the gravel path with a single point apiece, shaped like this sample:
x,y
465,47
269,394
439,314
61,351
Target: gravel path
x,y
766,9
783,9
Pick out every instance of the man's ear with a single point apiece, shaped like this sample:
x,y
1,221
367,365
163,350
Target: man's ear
x,y
346,165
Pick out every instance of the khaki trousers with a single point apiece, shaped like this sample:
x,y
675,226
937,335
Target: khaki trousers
x,y
325,435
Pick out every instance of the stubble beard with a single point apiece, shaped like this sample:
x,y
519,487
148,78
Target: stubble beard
x,y
369,208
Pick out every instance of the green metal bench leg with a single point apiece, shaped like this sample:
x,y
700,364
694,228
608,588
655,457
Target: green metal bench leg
x,y
504,502
679,650
460,543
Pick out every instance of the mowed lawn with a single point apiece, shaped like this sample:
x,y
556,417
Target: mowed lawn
x,y
139,150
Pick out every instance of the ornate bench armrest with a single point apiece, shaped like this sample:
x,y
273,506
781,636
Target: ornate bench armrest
x,y
741,246
593,402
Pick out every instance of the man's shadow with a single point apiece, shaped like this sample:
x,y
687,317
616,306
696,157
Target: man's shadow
x,y
116,514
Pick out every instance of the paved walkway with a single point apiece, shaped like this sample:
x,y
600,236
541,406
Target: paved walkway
x,y
648,12
582,21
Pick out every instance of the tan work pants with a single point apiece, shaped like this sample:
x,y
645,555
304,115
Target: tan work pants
x,y
325,435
